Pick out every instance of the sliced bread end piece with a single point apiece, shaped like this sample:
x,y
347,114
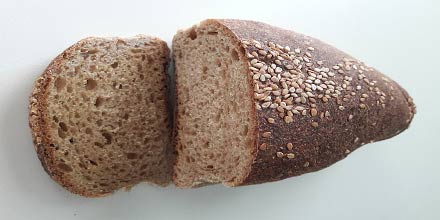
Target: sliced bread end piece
x,y
99,118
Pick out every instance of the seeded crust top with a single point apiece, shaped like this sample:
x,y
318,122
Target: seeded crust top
x,y
315,104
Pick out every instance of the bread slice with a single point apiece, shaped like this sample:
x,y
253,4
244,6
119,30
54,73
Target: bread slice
x,y
257,103
99,117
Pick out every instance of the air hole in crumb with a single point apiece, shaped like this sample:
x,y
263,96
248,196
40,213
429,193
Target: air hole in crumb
x,y
61,133
218,62
55,118
139,67
99,101
98,144
71,140
206,145
143,57
192,34
114,65
108,137
63,126
136,50
210,167
65,167
93,163
89,131
245,130
204,72
88,178
92,51
131,156
91,84
99,122
77,115
234,54
212,32
141,76
150,60
69,89
60,83
139,97
227,48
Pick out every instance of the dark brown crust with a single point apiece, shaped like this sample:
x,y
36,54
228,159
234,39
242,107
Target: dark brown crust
x,y
336,136
38,120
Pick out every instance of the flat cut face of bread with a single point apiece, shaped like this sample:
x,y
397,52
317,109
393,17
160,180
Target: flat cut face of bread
x,y
99,117
214,126
287,104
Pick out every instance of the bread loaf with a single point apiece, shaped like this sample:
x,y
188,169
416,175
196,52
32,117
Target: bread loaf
x,y
99,118
257,103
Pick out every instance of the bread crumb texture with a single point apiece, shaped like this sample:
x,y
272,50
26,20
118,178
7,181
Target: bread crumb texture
x,y
99,117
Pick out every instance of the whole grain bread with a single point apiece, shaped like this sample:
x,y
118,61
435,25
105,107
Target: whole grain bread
x,y
257,103
99,118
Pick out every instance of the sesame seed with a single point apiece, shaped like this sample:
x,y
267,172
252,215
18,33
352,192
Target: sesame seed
x,y
290,155
271,120
315,124
327,114
341,108
347,151
262,52
280,154
258,65
266,134
313,112
265,105
289,146
350,117
306,164
362,105
310,48
263,146
278,70
288,119
297,50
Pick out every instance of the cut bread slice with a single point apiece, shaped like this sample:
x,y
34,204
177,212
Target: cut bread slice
x,y
257,103
99,116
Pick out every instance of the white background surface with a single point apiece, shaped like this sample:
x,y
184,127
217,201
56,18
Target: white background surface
x,y
394,179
